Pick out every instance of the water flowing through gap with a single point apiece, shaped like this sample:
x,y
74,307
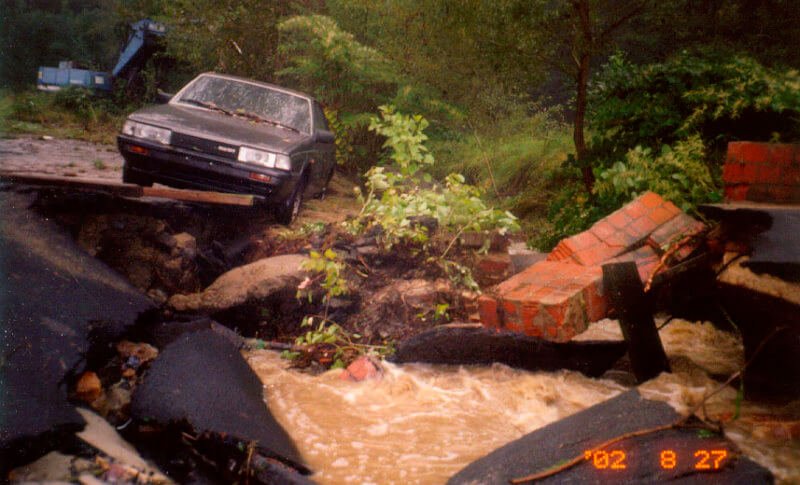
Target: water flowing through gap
x,y
423,423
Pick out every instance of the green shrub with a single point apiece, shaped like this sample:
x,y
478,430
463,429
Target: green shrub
x,y
401,192
716,95
679,174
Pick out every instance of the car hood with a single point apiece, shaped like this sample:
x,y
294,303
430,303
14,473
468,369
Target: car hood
x,y
222,128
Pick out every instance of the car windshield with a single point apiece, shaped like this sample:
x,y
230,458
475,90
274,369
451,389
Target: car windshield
x,y
252,101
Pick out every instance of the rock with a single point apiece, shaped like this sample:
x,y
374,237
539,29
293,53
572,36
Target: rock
x,y
54,297
361,369
142,351
202,381
245,284
470,345
88,387
185,245
575,435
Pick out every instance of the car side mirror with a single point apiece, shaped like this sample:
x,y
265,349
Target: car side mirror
x,y
324,136
162,97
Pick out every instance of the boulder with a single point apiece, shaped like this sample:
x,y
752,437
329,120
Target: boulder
x,y
657,457
246,284
470,345
201,380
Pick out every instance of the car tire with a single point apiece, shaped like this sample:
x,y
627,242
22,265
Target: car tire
x,y
131,177
288,211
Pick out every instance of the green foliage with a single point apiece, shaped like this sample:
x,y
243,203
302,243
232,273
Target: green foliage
x,y
570,212
325,60
70,113
404,139
231,36
678,174
719,96
325,332
397,199
330,269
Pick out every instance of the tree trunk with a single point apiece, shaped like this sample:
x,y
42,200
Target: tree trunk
x,y
580,116
582,52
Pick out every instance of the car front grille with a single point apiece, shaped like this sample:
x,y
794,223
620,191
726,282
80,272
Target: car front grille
x,y
202,145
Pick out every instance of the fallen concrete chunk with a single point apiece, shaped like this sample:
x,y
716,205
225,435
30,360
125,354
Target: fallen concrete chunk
x,y
245,284
56,302
201,379
658,457
103,437
471,345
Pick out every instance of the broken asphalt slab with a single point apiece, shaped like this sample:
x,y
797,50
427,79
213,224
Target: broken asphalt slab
x,y
201,379
480,346
664,456
57,304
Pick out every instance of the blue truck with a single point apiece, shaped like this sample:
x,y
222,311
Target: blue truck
x,y
141,44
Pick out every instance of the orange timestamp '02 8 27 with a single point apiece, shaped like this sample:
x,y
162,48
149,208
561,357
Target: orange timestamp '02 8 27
x,y
702,459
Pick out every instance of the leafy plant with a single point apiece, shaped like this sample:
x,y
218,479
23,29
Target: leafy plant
x,y
678,174
329,269
717,95
401,194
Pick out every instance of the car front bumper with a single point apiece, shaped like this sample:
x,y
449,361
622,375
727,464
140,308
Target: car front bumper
x,y
183,168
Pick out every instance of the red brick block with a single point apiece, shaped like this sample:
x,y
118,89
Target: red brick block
x,y
619,219
635,209
781,153
651,200
661,215
553,300
769,173
754,152
733,172
674,230
602,229
735,151
790,174
487,308
736,192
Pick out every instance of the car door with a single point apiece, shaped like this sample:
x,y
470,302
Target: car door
x,y
323,153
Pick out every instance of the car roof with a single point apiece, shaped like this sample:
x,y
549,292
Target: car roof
x,y
259,83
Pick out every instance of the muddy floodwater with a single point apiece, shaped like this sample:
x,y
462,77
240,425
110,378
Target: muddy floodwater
x,y
422,423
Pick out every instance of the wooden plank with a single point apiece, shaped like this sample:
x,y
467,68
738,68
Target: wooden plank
x,y
108,186
627,298
127,190
199,196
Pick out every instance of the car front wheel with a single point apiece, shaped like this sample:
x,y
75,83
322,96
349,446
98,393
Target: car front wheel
x,y
289,210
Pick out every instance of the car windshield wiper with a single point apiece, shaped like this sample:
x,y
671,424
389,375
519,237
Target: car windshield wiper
x,y
208,105
261,119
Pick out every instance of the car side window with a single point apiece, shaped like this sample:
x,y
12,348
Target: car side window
x,y
320,122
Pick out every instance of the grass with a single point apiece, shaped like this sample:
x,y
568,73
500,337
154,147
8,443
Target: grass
x,y
44,113
513,162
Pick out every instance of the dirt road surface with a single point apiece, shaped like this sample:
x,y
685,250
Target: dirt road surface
x,y
81,159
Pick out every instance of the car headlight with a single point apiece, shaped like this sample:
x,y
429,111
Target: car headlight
x,y
147,132
264,158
